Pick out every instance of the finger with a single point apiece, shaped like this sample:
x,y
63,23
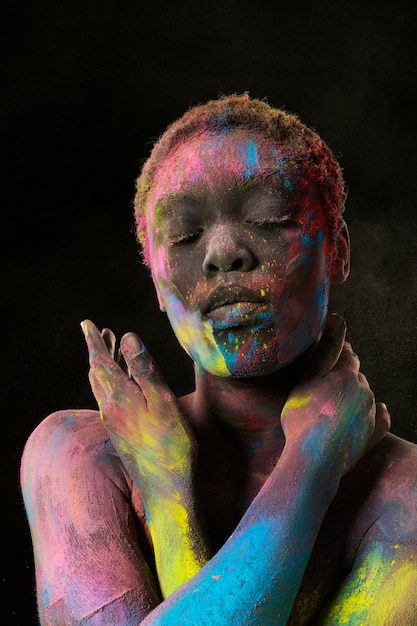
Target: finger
x,y
95,342
110,340
382,425
382,419
122,363
111,391
100,359
348,360
329,347
96,385
143,368
363,380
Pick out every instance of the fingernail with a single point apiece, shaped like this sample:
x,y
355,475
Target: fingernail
x,y
335,323
84,328
133,344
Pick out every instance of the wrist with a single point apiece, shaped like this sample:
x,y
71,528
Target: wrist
x,y
310,466
179,541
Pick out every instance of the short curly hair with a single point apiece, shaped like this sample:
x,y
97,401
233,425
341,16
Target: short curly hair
x,y
310,153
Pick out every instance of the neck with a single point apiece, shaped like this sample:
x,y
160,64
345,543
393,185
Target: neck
x,y
239,435
246,405
247,409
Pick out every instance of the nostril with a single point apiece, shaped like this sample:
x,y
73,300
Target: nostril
x,y
225,254
236,265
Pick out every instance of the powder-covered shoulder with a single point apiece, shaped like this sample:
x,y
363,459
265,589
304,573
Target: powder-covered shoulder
x,y
78,501
67,428
69,441
394,462
399,451
394,494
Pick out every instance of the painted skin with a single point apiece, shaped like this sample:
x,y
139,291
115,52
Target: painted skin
x,y
317,530
270,233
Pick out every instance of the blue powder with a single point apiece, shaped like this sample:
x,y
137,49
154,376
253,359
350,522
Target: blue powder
x,y
252,154
289,184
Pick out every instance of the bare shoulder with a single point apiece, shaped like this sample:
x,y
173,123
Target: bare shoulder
x,y
398,484
388,464
386,481
396,460
83,424
378,510
82,518
66,442
398,447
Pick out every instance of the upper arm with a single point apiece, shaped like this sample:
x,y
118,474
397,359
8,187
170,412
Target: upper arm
x,y
88,561
381,587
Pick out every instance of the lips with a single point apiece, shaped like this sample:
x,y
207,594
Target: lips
x,y
230,294
233,305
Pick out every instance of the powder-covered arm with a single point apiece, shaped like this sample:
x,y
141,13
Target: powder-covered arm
x,y
88,534
381,586
328,424
255,577
157,447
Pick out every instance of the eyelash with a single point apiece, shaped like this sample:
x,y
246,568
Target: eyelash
x,y
184,238
273,222
269,223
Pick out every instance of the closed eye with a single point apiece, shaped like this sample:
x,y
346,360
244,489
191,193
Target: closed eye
x,y
184,239
273,221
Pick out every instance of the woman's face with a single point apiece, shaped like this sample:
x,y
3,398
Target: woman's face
x,y
238,253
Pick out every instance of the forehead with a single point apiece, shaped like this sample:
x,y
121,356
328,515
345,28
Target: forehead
x,y
215,161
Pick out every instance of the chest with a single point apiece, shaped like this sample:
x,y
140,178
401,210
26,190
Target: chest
x,y
333,554
331,560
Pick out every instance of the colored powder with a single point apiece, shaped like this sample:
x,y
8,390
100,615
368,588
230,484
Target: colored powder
x,y
195,335
252,157
375,591
297,402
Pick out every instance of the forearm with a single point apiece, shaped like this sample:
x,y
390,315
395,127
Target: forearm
x,y
179,541
255,577
180,544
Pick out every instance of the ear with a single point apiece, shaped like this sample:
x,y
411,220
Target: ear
x,y
340,256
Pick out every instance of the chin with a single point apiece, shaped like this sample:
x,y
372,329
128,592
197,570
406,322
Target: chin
x,y
240,352
269,359
257,371
252,359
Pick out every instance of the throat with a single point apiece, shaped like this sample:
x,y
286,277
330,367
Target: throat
x,y
249,409
230,472
242,414
239,440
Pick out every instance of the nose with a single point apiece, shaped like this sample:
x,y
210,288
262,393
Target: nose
x,y
225,253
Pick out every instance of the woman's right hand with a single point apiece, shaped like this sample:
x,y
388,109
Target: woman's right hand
x,y
140,412
332,415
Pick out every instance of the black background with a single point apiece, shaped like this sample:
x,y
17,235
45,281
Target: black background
x,y
87,86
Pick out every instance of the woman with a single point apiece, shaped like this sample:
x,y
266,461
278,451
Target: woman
x,y
272,494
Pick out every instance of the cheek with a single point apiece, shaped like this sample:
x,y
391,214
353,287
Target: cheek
x,y
161,265
302,300
194,334
307,265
